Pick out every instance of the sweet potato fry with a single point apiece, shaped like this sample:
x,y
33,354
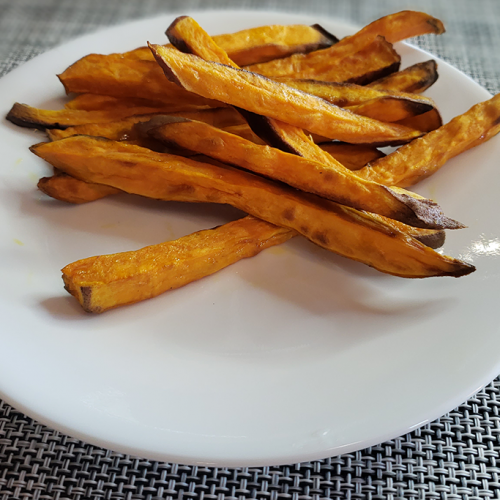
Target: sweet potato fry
x,y
390,109
376,59
126,129
186,34
352,156
426,122
117,130
276,100
68,189
393,28
64,187
340,229
400,26
292,140
116,76
414,79
27,116
264,43
320,175
416,161
273,42
107,281
97,102
381,105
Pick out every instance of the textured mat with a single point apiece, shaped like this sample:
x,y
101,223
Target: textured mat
x,y
455,457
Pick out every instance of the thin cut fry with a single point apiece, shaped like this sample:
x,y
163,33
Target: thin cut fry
x,y
116,76
262,96
352,156
126,128
337,228
107,281
26,116
376,59
420,159
97,102
64,187
390,109
68,189
381,105
186,34
393,28
414,79
426,122
264,43
317,175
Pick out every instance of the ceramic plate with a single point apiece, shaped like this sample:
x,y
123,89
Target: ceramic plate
x,y
296,354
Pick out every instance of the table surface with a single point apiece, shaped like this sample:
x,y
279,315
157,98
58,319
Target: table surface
x,y
453,457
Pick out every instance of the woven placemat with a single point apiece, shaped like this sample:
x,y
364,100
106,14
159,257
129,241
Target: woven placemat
x,y
454,457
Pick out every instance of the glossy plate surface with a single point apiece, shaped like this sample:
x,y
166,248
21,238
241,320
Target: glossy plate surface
x,y
293,355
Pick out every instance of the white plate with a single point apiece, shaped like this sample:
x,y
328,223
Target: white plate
x,y
294,355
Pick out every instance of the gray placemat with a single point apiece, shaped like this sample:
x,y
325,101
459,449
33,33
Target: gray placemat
x,y
454,457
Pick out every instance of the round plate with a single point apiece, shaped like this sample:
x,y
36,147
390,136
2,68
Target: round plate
x,y
296,354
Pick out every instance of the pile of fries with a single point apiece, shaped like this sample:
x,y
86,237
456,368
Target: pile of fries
x,y
282,122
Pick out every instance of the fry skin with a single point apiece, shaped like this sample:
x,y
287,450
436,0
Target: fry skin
x,y
393,28
371,61
320,175
97,102
108,281
416,161
118,77
340,229
127,129
262,96
414,79
27,116
64,187
186,34
264,43
351,156
381,105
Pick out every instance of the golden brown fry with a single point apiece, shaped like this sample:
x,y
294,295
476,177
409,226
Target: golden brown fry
x,y
264,43
393,28
97,102
414,79
119,130
68,189
64,187
390,109
107,281
380,105
126,128
376,59
276,100
116,76
314,171
352,156
27,116
245,132
186,34
337,228
426,122
400,26
416,161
